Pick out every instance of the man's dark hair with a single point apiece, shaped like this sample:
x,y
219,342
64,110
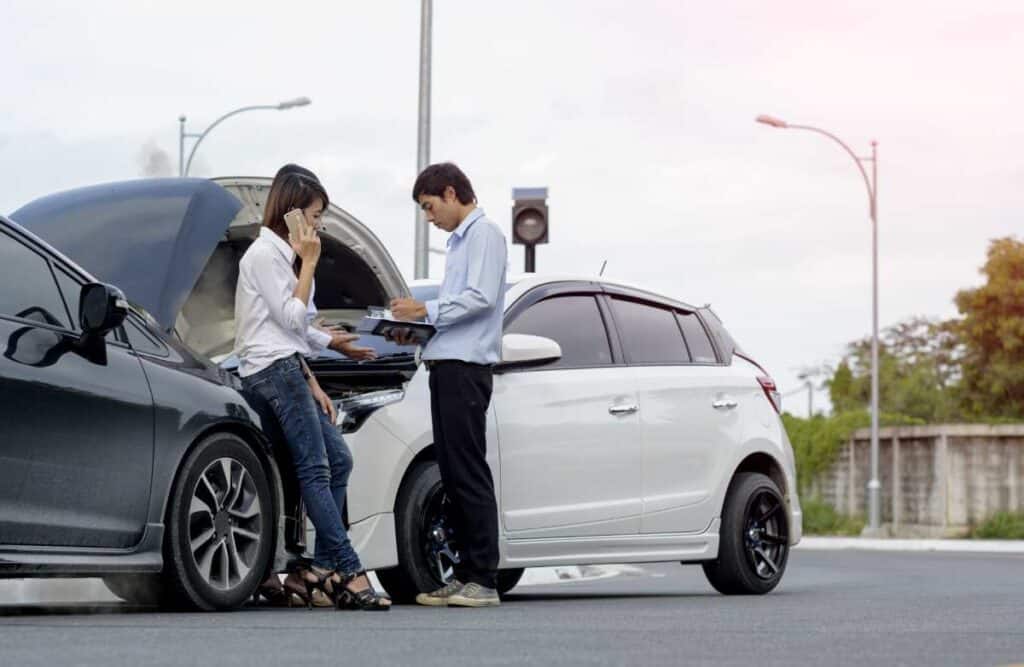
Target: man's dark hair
x,y
434,179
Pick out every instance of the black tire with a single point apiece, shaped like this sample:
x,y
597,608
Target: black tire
x,y
754,539
414,574
145,590
507,579
225,568
418,512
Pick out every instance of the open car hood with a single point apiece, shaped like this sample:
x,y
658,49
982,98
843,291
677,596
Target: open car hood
x,y
154,237
340,226
150,237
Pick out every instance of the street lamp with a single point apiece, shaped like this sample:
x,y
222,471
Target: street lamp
x,y
183,166
874,486
421,247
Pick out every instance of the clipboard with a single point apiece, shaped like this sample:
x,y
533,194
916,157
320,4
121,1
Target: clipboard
x,y
382,326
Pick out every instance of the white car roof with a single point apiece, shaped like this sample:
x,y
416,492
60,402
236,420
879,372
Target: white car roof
x,y
524,282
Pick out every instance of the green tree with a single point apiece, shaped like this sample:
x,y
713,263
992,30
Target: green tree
x,y
992,329
918,371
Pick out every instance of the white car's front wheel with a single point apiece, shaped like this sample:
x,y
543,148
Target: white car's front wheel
x,y
427,543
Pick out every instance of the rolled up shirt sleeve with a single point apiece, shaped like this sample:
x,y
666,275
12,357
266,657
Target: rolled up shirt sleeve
x,y
487,256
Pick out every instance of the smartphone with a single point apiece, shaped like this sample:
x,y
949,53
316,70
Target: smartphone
x,y
293,219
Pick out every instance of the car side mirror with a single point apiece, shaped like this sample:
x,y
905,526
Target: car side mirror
x,y
523,351
101,308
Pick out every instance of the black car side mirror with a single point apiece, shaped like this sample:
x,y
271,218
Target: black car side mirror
x,y
101,308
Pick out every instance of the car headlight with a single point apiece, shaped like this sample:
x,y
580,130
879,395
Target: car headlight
x,y
354,410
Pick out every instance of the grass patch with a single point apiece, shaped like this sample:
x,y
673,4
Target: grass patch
x,y
1001,526
821,519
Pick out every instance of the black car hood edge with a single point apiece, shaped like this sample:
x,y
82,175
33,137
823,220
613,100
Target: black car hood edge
x,y
150,237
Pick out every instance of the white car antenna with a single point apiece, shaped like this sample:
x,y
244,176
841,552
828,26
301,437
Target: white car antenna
x,y
601,272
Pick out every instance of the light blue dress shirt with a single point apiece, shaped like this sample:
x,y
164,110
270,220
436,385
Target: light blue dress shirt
x,y
470,306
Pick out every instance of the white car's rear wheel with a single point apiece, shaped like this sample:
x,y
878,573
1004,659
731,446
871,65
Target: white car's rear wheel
x,y
754,539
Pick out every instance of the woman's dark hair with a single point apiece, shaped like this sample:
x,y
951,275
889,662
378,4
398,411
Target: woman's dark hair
x,y
434,179
292,168
292,190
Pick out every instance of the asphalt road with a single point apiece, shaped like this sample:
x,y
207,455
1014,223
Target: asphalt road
x,y
855,608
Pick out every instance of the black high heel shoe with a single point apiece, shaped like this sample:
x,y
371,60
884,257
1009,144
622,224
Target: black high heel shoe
x,y
309,579
365,599
271,593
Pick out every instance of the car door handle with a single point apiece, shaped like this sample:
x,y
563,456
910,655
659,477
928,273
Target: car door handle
x,y
623,409
724,404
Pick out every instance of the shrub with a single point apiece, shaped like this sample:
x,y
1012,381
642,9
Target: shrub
x,y
821,519
1001,526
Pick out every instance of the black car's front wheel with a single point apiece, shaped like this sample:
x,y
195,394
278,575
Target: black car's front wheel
x,y
219,526
754,539
427,542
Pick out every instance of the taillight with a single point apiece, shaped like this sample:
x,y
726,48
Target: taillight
x,y
771,392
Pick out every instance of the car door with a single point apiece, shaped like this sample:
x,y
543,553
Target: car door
x,y
678,381
77,448
568,432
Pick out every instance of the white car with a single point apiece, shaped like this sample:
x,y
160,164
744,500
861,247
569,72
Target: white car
x,y
624,426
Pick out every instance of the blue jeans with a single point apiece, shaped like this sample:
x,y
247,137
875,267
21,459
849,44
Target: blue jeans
x,y
321,458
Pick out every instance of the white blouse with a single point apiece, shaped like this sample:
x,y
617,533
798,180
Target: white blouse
x,y
270,322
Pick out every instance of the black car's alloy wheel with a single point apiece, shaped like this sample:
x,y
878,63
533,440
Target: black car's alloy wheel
x,y
427,543
224,523
753,539
220,525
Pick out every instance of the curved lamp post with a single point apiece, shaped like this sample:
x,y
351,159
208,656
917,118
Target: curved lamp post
x,y
183,166
874,486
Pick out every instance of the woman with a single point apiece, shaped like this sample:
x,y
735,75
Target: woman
x,y
273,334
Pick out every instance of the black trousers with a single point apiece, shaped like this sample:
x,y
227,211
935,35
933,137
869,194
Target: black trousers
x,y
460,394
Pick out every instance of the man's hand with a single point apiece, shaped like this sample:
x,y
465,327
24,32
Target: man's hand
x,y
408,310
322,399
401,337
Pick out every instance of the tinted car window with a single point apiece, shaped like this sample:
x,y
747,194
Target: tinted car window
x,y
33,294
72,291
697,339
575,323
726,344
649,334
141,340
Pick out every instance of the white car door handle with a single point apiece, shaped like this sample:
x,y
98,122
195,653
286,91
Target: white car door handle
x,y
724,404
623,409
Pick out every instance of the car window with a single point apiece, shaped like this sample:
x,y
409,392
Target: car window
x,y
71,288
727,345
697,339
649,334
141,340
575,323
32,294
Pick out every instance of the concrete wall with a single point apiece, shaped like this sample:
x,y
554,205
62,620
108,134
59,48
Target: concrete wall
x,y
936,480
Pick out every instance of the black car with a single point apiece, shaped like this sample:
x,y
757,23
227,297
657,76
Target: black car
x,y
125,455
173,246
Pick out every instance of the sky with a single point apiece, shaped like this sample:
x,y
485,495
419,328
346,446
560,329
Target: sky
x,y
638,117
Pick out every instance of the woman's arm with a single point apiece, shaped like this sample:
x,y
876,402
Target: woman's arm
x,y
319,395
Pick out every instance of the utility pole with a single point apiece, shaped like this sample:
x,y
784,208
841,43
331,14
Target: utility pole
x,y
421,247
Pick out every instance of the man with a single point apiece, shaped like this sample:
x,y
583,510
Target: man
x,y
468,316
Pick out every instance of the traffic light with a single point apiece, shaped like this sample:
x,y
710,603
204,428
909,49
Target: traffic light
x,y
529,221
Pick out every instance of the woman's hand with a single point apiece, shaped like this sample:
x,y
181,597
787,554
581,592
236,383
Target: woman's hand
x,y
307,244
322,399
341,341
